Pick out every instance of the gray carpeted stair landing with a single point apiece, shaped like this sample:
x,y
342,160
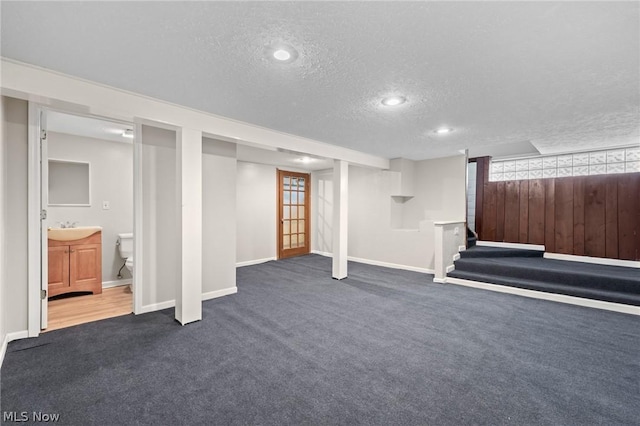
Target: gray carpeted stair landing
x,y
529,270
488,251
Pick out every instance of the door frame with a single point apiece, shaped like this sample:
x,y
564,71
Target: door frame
x,y
44,220
36,227
280,221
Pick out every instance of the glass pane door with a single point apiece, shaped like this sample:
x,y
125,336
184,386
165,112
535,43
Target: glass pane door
x,y
293,217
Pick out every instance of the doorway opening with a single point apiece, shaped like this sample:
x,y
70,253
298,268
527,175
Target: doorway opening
x,y
471,195
293,213
86,198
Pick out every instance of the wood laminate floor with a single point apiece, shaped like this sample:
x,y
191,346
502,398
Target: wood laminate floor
x,y
113,302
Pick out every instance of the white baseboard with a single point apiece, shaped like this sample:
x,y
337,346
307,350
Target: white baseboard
x,y
157,306
171,303
462,248
219,293
439,280
254,262
456,257
511,245
116,283
378,263
596,260
450,268
391,265
10,337
571,300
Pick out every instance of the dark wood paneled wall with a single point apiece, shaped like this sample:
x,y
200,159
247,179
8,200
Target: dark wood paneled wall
x,y
588,215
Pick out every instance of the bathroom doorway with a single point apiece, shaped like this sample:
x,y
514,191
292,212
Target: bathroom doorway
x,y
86,195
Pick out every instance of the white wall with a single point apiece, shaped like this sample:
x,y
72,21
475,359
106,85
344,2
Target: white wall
x,y
160,226
440,187
449,237
371,234
161,274
439,194
256,212
218,216
322,210
111,166
15,286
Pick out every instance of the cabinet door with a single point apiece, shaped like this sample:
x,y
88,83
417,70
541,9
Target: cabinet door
x,y
58,269
86,267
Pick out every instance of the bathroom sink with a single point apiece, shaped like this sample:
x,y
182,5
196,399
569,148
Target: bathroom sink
x,y
70,234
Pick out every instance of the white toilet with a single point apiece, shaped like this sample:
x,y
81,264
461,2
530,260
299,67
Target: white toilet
x,y
125,245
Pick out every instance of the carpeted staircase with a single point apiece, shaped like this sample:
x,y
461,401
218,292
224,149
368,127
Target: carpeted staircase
x,y
529,270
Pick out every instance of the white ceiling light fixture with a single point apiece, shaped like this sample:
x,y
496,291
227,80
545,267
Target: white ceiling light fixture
x,y
128,133
282,54
443,131
393,100
305,160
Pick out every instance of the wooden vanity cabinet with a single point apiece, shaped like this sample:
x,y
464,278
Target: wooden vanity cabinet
x,y
75,265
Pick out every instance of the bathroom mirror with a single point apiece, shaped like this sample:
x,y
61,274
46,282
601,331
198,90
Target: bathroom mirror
x,y
69,183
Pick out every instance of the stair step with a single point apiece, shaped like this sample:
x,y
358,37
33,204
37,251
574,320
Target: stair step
x,y
556,288
488,251
555,272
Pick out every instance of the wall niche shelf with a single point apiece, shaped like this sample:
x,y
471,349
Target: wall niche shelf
x,y
401,199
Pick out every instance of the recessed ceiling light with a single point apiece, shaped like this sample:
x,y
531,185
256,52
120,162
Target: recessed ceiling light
x,y
305,160
128,133
394,100
443,131
282,55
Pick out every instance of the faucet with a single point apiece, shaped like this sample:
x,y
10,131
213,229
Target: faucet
x,y
67,224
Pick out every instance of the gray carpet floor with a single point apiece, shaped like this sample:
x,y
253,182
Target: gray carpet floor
x,y
295,347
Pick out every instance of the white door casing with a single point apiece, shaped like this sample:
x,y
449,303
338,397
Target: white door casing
x,y
44,204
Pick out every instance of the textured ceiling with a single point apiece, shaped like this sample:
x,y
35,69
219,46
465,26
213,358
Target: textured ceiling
x,y
561,76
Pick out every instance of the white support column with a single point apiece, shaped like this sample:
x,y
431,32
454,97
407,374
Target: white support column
x,y
340,218
439,266
138,220
189,194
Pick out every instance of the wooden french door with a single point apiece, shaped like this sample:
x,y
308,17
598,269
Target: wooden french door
x,y
293,213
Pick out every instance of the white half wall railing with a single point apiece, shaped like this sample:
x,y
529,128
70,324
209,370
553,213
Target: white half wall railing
x,y
449,237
